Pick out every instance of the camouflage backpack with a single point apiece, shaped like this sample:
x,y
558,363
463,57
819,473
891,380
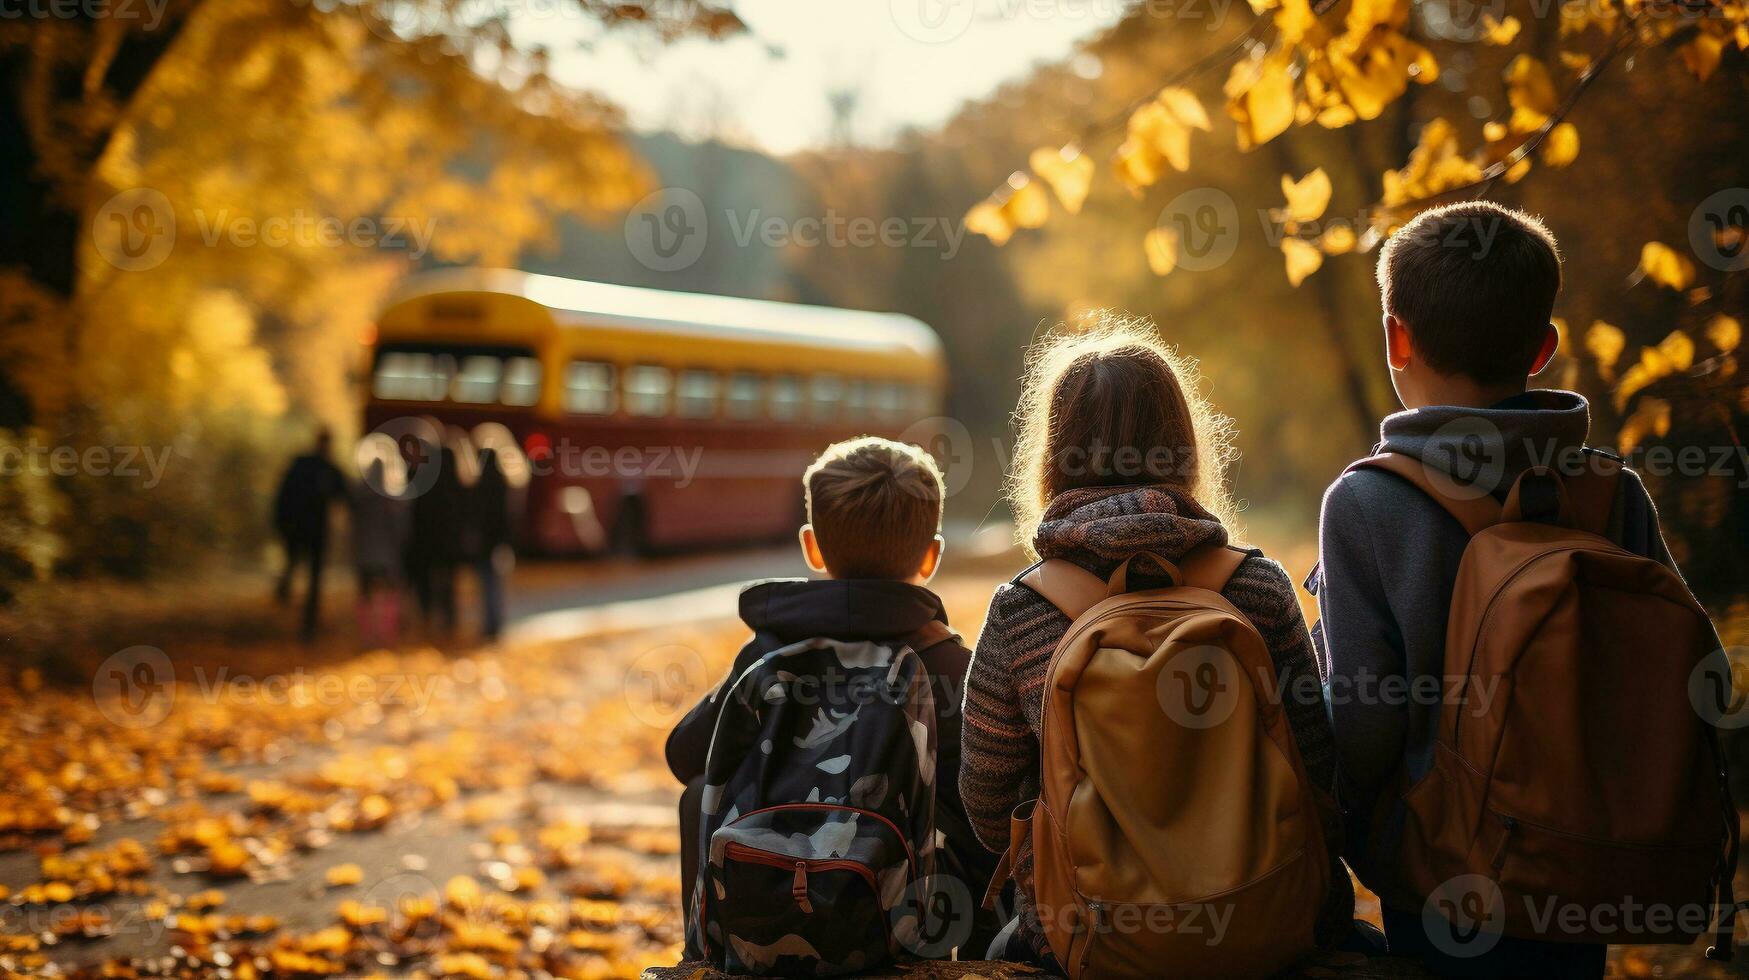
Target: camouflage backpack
x,y
818,827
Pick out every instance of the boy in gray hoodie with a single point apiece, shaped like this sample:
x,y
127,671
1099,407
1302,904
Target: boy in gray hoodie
x,y
1468,290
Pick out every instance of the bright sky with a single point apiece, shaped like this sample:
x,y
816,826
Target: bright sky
x,y
909,62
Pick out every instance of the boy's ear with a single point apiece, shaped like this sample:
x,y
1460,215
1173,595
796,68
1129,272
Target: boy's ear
x,y
931,559
1399,349
1546,353
811,549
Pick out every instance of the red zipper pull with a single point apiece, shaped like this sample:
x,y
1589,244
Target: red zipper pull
x,y
799,889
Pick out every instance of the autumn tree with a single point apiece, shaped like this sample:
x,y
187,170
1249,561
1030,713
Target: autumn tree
x,y
149,148
1494,101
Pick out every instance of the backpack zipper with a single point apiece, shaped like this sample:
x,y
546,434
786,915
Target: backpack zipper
x,y
799,884
1511,825
910,856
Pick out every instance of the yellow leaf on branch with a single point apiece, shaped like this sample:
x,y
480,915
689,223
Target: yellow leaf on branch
x,y
1261,98
1702,54
1678,348
1161,247
1665,266
1337,240
1725,333
1068,171
986,219
1561,146
1605,341
1027,206
1499,32
1185,107
1531,92
1307,197
1303,259
1651,418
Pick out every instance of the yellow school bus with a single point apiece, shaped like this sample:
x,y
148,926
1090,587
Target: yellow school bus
x,y
651,420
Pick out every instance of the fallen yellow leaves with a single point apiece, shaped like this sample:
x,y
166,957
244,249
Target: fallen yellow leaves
x,y
236,793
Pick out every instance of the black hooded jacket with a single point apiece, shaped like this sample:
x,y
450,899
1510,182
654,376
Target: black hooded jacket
x,y
785,611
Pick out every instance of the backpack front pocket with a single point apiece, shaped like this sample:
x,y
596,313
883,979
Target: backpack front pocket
x,y
808,889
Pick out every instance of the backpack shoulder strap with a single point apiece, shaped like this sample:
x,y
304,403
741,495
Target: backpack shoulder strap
x,y
1476,514
929,634
1074,590
1210,567
1592,493
1066,585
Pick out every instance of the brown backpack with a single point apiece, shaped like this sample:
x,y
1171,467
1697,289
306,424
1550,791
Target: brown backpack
x,y
1176,831
1571,769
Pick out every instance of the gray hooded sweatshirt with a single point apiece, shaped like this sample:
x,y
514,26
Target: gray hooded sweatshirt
x,y
1387,563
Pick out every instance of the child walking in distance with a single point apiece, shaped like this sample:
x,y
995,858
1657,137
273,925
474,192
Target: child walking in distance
x,y
821,828
1145,732
1523,776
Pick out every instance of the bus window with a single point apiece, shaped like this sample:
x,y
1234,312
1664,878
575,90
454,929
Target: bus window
x,y
889,401
697,394
744,400
477,381
786,397
646,390
856,400
411,376
922,402
589,388
827,392
521,381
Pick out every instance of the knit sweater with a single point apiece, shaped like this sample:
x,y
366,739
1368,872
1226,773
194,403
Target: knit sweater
x,y
1097,528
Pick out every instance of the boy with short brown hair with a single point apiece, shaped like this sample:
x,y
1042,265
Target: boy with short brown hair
x,y
873,534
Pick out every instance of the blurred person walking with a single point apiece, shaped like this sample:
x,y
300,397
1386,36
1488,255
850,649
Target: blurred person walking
x,y
381,522
435,546
311,485
488,538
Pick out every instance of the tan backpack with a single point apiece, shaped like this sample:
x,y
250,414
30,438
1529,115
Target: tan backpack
x,y
1575,791
1176,832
